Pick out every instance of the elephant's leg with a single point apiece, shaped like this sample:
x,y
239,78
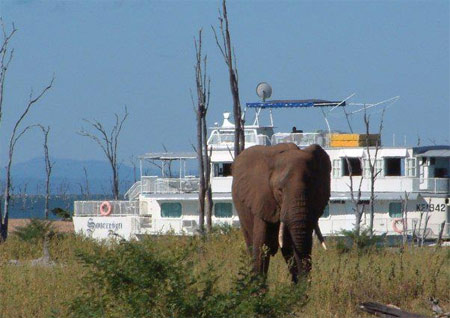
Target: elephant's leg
x,y
246,221
271,243
260,249
288,253
248,239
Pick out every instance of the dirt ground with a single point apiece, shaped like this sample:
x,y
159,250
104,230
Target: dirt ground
x,y
60,226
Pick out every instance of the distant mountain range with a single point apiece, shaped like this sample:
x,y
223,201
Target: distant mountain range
x,y
68,176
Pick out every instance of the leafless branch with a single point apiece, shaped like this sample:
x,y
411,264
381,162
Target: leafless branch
x,y
5,60
374,172
229,56
108,142
203,85
355,200
48,169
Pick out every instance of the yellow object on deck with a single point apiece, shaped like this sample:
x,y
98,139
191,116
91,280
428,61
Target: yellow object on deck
x,y
354,140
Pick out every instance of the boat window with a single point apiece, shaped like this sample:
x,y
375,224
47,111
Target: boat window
x,y
393,167
222,169
353,164
337,168
411,167
440,173
250,136
171,210
395,209
326,212
223,210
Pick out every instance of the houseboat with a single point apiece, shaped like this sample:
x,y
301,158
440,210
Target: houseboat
x,y
411,188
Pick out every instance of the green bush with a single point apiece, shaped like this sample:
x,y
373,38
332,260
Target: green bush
x,y
362,241
135,279
63,214
35,231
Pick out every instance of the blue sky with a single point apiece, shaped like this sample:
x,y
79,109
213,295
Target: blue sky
x,y
107,54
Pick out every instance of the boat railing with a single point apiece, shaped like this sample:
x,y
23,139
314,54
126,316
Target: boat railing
x,y
225,139
134,191
263,140
300,139
433,185
386,226
396,184
170,185
118,208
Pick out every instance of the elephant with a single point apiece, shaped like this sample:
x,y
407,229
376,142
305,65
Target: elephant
x,y
279,193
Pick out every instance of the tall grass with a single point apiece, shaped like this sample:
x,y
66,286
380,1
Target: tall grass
x,y
339,280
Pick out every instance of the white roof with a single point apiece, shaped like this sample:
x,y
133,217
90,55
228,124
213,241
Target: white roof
x,y
169,155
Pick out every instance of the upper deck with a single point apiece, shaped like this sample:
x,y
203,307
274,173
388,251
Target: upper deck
x,y
423,170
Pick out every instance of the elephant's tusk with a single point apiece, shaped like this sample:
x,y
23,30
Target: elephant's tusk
x,y
320,236
281,234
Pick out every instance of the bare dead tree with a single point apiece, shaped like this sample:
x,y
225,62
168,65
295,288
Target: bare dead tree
x,y
48,169
86,184
425,226
6,56
133,164
372,161
108,142
348,119
356,200
230,60
23,195
203,85
441,232
169,164
15,136
405,217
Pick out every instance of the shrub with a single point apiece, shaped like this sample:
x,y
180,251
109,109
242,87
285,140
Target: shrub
x,y
136,279
63,214
360,241
35,231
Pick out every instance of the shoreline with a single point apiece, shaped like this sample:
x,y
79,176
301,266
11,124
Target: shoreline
x,y
59,226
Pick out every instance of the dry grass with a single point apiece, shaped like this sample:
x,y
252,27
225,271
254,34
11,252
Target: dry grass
x,y
338,282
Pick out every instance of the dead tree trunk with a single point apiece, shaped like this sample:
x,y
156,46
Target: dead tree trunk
x,y
87,191
15,136
6,56
381,310
108,142
208,190
48,170
355,200
405,218
374,172
230,60
201,109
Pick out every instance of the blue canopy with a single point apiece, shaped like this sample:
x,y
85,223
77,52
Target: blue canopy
x,y
296,103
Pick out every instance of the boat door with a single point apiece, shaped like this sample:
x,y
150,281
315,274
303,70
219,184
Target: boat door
x,y
423,174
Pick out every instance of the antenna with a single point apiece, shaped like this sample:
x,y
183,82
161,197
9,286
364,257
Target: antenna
x,y
264,90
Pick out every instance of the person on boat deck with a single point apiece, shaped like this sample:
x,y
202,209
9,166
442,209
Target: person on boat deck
x,y
294,130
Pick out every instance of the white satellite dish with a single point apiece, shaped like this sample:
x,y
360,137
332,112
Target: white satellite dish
x,y
264,90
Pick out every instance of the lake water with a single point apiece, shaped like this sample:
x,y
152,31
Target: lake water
x,y
32,206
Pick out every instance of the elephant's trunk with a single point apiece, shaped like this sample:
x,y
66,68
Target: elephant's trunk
x,y
300,225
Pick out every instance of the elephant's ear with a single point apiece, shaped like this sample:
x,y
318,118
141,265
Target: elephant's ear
x,y
321,176
252,170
